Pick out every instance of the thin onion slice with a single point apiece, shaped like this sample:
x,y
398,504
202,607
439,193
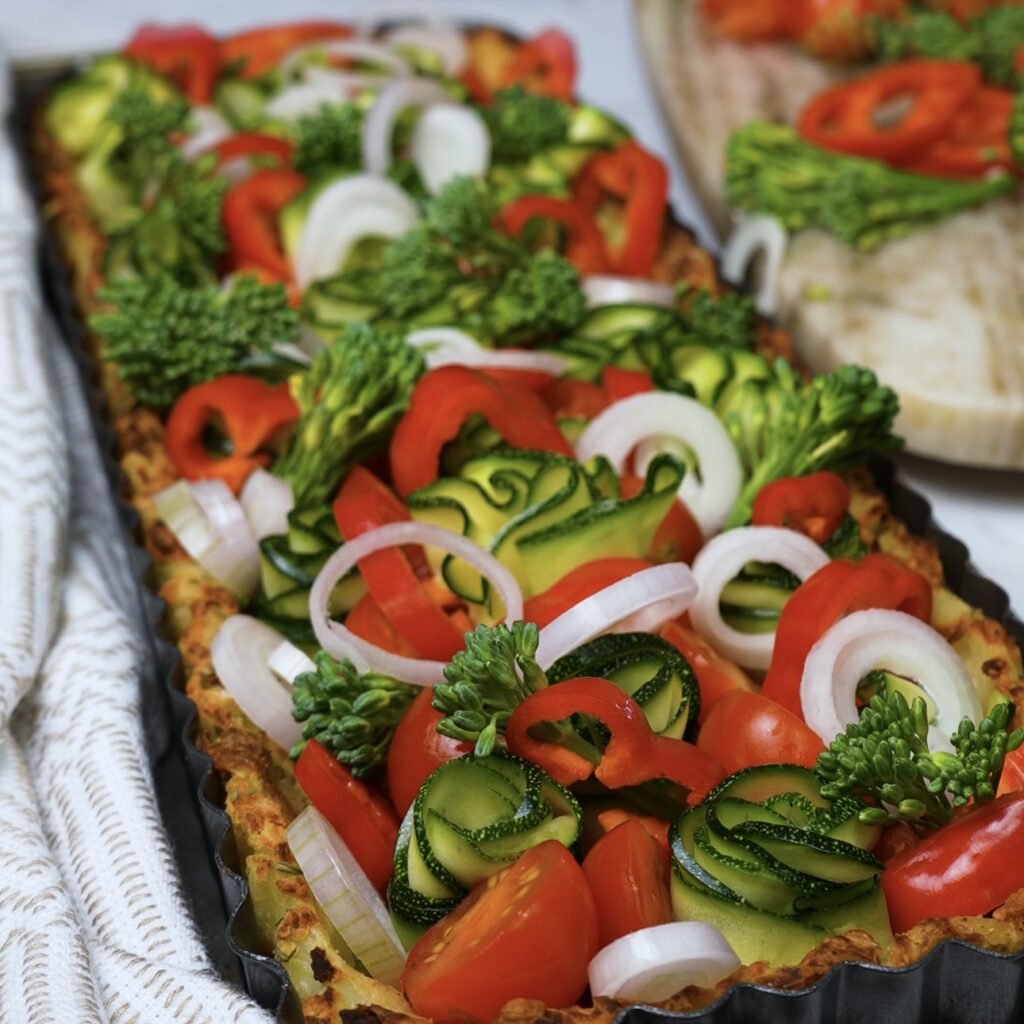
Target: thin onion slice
x,y
446,40
346,895
445,346
754,235
652,964
307,97
210,524
210,128
643,601
380,122
362,50
621,427
362,206
241,653
864,641
608,290
450,141
720,560
266,500
343,643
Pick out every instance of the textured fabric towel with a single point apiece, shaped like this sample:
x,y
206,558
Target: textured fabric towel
x,y
93,925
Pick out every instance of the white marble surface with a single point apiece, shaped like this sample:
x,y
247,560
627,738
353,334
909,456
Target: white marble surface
x,y
985,509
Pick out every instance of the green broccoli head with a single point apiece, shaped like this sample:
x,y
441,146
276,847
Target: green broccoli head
x,y
329,140
523,123
165,338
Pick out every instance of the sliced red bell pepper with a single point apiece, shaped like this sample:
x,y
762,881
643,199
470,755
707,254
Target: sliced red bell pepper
x,y
815,504
574,399
251,209
389,575
578,584
251,54
187,54
841,587
253,144
364,819
545,64
619,383
967,867
846,117
369,623
638,178
442,401
634,754
977,142
584,246
249,411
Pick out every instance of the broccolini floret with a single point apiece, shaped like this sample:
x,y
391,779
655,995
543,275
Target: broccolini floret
x,y
728,320
329,140
863,202
349,400
523,123
165,338
885,757
354,716
145,126
487,681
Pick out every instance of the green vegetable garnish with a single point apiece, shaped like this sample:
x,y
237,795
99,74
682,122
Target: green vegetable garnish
x,y
523,123
329,140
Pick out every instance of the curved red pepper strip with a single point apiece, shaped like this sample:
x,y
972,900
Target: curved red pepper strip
x,y
443,400
640,180
634,753
835,590
260,49
619,384
250,412
585,245
187,54
544,64
250,213
815,504
252,144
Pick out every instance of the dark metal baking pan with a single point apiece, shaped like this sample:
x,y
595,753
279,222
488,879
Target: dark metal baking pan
x,y
955,984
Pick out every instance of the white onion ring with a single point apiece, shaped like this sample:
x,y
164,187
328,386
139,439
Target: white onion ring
x,y
450,141
651,964
343,643
346,84
759,233
721,559
210,524
266,500
241,651
303,98
621,427
346,211
608,290
346,895
628,604
380,121
210,129
446,346
876,639
362,50
446,40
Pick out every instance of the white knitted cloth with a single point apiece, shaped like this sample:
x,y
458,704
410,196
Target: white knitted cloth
x,y
93,926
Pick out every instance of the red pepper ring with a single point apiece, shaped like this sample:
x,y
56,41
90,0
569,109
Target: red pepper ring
x,y
843,118
187,54
634,753
251,210
585,244
249,410
815,504
841,587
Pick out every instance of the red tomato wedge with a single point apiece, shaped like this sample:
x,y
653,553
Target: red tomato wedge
x,y
528,932
364,819
260,49
628,872
815,504
744,729
657,828
1012,778
417,748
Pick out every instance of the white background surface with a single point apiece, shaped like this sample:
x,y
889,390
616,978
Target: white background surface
x,y
984,509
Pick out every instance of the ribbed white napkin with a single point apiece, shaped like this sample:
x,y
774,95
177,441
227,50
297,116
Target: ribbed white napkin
x,y
93,925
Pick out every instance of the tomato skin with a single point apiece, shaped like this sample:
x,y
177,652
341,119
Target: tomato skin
x,y
364,819
967,867
745,729
716,675
628,873
528,932
815,504
657,828
417,748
